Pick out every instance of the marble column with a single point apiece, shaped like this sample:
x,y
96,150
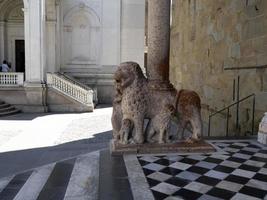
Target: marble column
x,y
34,22
2,41
34,25
58,36
158,44
51,36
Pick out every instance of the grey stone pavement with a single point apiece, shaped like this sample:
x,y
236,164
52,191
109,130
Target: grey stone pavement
x,y
31,140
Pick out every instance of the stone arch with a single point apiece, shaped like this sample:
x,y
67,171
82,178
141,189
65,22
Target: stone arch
x,y
7,6
81,36
25,3
12,30
95,19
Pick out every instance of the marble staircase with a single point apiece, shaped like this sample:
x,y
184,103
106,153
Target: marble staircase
x,y
7,109
72,94
77,82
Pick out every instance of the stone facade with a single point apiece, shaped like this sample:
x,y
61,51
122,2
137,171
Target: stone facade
x,y
86,39
213,43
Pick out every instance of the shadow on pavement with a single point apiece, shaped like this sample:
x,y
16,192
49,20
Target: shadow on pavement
x,y
18,161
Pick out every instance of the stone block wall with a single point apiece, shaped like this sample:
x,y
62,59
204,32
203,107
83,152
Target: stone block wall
x,y
213,42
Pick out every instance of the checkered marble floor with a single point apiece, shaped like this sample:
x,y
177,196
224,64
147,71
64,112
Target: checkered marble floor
x,y
240,173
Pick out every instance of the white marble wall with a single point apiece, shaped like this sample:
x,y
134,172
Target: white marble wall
x,y
86,38
51,36
111,32
133,31
2,41
11,29
14,31
80,33
35,43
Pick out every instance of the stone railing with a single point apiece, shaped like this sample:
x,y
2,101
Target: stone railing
x,y
11,79
74,91
77,82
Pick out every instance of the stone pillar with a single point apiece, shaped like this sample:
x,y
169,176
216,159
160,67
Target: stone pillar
x,y
58,36
34,22
158,44
51,36
34,25
262,134
2,41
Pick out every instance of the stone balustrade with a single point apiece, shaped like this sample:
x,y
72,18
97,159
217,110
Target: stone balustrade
x,y
8,79
74,91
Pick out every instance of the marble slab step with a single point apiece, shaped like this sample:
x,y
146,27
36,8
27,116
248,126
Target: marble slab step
x,y
4,105
6,109
11,112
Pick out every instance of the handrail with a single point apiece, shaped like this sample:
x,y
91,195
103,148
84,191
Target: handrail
x,y
77,92
76,82
73,80
241,100
228,112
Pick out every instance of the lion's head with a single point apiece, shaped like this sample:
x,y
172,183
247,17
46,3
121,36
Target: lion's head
x,y
126,73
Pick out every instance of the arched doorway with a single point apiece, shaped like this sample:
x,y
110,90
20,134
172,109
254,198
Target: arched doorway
x,y
12,46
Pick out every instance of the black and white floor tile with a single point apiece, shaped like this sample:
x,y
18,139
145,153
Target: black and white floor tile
x,y
238,174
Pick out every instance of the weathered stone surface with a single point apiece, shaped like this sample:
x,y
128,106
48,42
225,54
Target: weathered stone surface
x,y
262,138
209,36
158,40
135,101
263,124
180,147
262,134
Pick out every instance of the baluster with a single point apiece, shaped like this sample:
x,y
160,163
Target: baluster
x,y
16,79
64,86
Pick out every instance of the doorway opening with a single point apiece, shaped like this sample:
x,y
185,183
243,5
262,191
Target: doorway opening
x,y
20,55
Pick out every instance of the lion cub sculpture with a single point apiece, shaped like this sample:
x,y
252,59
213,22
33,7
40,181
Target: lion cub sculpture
x,y
159,126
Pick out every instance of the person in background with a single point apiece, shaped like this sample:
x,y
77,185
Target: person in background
x,y
5,67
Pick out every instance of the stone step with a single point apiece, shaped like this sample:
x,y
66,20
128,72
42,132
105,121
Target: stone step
x,y
11,112
4,105
72,179
7,109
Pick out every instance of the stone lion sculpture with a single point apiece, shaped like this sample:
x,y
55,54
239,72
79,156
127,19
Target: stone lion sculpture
x,y
132,84
138,102
119,133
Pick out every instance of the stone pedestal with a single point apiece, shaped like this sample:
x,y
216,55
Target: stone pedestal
x,y
177,147
262,134
153,98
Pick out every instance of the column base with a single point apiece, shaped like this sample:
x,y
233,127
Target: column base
x,y
160,85
178,147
